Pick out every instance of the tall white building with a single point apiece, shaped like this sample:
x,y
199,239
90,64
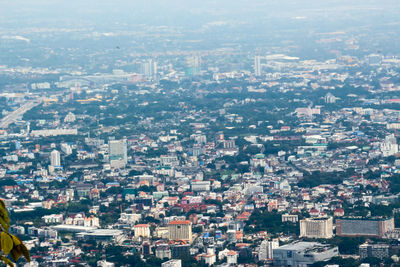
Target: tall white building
x,y
149,68
118,155
257,65
389,147
329,98
193,63
172,263
55,158
70,117
316,227
66,148
266,248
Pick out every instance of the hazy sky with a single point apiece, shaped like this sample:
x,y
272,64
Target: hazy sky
x,y
25,13
29,29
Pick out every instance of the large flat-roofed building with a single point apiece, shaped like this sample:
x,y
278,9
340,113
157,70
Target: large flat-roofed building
x,y
290,218
380,251
142,230
299,254
117,153
180,230
316,228
374,227
54,132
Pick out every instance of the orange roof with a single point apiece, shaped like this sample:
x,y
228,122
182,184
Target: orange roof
x,y
180,222
142,225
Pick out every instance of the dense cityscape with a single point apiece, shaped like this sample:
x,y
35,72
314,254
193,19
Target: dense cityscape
x,y
204,144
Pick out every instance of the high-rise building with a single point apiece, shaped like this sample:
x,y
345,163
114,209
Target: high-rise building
x,y
257,66
316,227
118,153
66,148
55,158
149,68
329,98
142,230
146,248
293,218
180,230
229,143
179,251
364,227
163,251
265,251
70,117
389,147
380,251
193,63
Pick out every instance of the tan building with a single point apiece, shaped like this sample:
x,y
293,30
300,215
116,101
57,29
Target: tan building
x,y
180,230
316,228
142,230
290,218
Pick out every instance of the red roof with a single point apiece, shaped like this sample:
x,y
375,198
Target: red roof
x,y
142,225
180,222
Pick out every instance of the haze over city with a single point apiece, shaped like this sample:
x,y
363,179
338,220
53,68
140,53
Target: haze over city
x,y
200,133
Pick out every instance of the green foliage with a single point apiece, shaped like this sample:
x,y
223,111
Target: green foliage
x,y
348,262
7,181
347,245
317,178
394,182
271,222
75,207
10,244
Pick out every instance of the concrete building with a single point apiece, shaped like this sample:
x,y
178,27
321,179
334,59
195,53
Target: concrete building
x,y
290,218
180,230
229,144
257,66
389,147
54,132
67,149
142,230
54,218
209,257
316,228
380,251
55,158
163,251
70,117
364,227
118,153
104,263
172,263
299,254
231,257
180,251
193,64
149,68
265,251
329,98
201,186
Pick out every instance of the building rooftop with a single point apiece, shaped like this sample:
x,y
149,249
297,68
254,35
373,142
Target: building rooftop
x,y
180,222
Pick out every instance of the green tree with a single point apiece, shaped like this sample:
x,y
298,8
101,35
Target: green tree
x,y
10,244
